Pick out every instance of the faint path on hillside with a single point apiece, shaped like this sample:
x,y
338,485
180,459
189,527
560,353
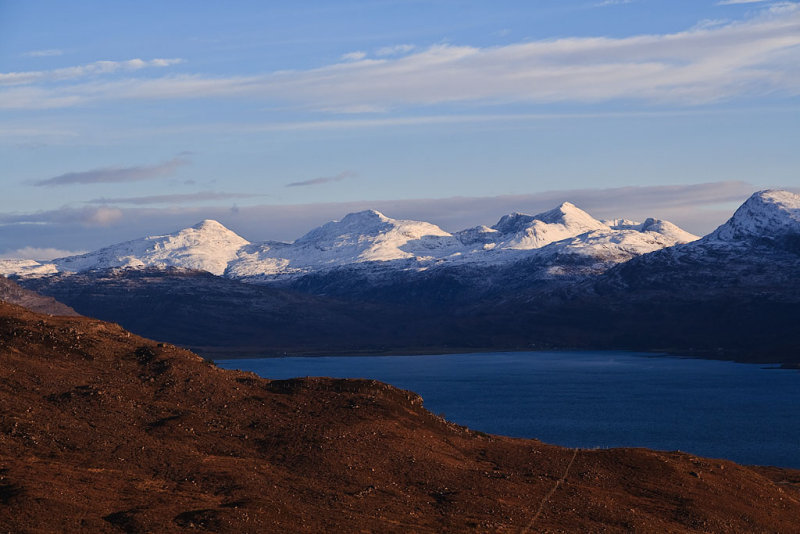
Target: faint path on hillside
x,y
550,493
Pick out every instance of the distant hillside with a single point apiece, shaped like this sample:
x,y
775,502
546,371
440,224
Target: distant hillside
x,y
12,293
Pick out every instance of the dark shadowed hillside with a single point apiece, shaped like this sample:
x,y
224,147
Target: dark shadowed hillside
x,y
14,294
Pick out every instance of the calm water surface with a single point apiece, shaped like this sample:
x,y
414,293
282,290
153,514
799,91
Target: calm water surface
x,y
746,413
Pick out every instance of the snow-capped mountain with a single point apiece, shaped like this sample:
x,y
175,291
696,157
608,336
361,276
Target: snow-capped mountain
x,y
367,236
759,244
206,246
526,232
370,239
768,213
370,283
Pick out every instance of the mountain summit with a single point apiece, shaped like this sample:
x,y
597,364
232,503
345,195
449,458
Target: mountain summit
x,y
206,246
536,231
769,213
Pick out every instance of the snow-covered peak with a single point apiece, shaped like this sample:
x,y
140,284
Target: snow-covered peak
x,y
570,216
765,214
207,246
210,225
536,231
368,222
366,215
366,236
668,230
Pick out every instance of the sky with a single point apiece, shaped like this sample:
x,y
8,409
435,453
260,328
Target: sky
x,y
125,119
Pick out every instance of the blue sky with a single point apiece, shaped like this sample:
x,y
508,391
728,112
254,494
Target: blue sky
x,y
120,119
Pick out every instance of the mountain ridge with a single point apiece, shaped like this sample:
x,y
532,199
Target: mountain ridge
x,y
735,299
370,237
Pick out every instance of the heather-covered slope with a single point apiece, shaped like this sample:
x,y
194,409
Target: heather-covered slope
x,y
103,431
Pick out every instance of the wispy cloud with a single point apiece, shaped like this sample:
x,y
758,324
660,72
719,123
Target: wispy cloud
x,y
323,180
80,71
16,132
52,52
732,2
88,216
40,254
179,198
110,175
394,50
756,56
354,56
606,3
422,120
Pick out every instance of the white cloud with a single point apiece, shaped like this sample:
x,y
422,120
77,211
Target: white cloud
x,y
44,53
354,56
423,120
87,217
394,50
605,3
707,24
80,71
102,216
40,254
758,56
732,2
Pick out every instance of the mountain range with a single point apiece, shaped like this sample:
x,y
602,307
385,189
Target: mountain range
x,y
369,283
370,239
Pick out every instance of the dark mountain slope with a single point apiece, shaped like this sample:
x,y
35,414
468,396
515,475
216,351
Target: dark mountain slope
x,y
198,309
14,294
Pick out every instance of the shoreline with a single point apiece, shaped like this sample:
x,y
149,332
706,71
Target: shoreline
x,y
252,354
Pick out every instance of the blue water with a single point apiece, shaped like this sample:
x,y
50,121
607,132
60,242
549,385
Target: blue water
x,y
746,413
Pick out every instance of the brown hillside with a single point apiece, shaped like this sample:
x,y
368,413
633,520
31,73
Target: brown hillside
x,y
103,431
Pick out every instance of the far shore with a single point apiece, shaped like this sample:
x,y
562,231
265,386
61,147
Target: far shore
x,y
242,353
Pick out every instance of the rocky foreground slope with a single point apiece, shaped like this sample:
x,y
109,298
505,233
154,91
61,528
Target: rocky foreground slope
x,y
104,431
